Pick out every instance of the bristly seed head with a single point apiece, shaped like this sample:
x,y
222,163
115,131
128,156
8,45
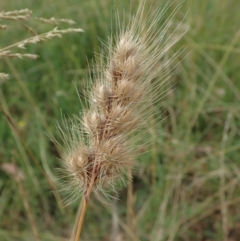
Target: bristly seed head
x,y
101,144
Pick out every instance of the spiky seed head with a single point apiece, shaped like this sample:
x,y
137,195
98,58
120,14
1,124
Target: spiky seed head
x,y
120,105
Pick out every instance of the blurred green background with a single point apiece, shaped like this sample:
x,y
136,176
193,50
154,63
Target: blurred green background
x,y
187,188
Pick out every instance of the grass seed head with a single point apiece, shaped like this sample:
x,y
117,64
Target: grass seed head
x,y
102,142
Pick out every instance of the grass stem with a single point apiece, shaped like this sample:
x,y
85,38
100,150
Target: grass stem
x,y
81,218
84,207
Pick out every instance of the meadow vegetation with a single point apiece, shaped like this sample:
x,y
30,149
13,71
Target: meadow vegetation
x,y
186,188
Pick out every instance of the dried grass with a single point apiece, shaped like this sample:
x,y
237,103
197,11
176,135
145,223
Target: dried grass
x,y
24,15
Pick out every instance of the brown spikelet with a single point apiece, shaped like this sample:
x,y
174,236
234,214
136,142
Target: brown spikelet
x,y
101,144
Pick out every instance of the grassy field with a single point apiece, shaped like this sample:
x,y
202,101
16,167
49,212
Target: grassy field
x,y
187,188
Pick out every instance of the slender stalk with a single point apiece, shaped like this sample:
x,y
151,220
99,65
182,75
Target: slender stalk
x,y
84,207
73,234
81,218
30,215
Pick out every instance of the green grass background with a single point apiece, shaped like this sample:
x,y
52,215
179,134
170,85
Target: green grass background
x,y
186,188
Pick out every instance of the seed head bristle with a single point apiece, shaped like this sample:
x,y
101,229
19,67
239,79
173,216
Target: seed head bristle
x,y
121,101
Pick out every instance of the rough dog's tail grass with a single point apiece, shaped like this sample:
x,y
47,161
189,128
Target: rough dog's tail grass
x,y
100,144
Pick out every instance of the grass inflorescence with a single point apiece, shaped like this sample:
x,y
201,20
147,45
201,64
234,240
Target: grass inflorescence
x,y
101,144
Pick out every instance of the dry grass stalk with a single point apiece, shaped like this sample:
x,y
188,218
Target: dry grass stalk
x,y
101,145
23,16
55,21
12,170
